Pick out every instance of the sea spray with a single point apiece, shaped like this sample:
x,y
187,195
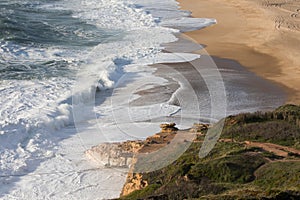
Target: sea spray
x,y
55,44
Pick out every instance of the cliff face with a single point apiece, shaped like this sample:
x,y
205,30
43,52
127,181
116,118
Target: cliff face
x,y
123,155
134,182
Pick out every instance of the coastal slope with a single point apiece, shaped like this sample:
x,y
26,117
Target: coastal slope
x,y
257,157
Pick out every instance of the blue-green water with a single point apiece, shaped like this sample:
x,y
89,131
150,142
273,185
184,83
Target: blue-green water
x,y
38,41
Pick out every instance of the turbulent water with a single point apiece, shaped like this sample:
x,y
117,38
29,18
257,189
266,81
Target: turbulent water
x,y
69,72
54,55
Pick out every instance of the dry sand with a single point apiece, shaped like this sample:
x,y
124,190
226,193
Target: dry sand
x,y
263,35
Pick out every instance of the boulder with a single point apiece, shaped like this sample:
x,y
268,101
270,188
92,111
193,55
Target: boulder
x,y
198,127
168,128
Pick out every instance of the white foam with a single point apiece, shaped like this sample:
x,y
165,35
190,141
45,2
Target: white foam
x,y
113,14
168,58
38,138
188,24
168,15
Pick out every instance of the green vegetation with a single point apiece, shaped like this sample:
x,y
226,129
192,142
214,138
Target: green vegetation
x,y
142,193
279,175
233,169
229,169
281,126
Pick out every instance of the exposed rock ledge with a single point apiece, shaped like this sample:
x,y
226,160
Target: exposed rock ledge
x,y
123,154
114,154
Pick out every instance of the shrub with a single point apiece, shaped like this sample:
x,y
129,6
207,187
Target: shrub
x,y
233,169
280,175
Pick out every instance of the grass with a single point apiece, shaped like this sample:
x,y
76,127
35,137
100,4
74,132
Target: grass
x,y
281,126
280,176
142,193
232,170
229,169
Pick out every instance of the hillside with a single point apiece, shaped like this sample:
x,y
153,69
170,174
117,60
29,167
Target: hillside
x,y
257,157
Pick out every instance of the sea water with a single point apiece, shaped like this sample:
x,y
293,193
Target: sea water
x,y
59,62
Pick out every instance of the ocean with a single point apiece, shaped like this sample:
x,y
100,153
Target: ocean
x,y
77,73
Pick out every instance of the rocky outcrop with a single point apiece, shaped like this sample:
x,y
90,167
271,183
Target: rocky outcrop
x,y
121,154
134,182
153,143
125,154
114,154
198,127
168,128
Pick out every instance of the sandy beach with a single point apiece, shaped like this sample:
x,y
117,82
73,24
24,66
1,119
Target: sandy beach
x,y
261,35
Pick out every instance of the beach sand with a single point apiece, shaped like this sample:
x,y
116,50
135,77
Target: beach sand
x,y
262,35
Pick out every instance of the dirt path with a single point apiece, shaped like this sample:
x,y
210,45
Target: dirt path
x,y
278,150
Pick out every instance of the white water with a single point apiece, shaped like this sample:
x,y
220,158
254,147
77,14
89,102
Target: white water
x,y
46,125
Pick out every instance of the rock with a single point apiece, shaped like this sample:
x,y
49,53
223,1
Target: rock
x,y
156,136
131,146
168,128
114,154
198,127
134,182
171,125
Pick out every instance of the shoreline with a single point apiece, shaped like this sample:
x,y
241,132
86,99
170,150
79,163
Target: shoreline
x,y
149,94
251,28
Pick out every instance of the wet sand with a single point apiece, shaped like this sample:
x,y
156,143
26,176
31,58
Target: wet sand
x,y
262,35
244,90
